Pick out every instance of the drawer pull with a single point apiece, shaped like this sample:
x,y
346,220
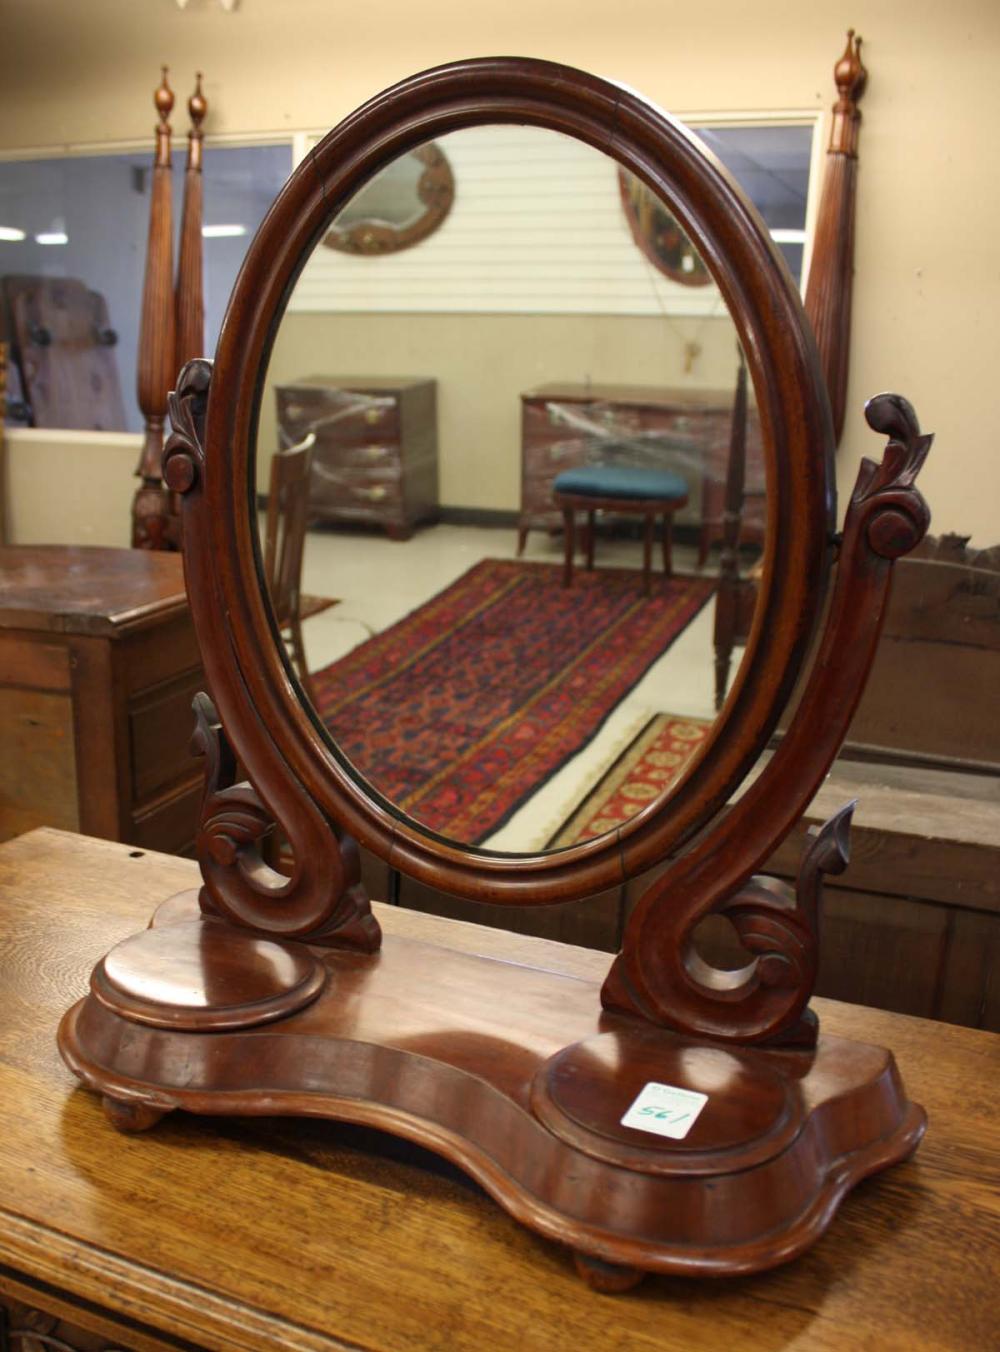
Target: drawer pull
x,y
375,494
373,415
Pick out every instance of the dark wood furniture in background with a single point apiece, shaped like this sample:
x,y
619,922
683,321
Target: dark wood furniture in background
x,y
63,347
268,1233
98,667
375,459
516,1072
172,325
692,425
284,541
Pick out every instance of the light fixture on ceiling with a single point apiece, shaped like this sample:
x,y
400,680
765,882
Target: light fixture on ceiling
x,y
52,237
788,236
227,5
8,232
222,231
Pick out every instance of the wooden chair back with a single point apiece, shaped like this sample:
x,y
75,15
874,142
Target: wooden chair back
x,y
285,529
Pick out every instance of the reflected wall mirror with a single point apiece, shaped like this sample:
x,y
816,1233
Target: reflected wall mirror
x,y
681,1118
402,205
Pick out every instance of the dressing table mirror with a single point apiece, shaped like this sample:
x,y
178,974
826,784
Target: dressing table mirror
x,y
681,1119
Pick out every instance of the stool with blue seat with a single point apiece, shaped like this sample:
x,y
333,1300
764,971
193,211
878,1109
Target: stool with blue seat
x,y
619,488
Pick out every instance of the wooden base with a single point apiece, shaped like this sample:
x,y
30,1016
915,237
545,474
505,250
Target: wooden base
x,y
517,1076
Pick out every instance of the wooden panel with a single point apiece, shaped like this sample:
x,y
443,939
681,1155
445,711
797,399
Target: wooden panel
x,y
594,922
160,652
970,983
882,951
40,666
169,823
160,751
37,762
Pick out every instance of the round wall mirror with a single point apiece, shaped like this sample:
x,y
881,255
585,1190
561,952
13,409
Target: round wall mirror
x,y
402,205
462,694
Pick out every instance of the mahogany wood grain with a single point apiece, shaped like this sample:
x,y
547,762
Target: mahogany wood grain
x,y
311,1235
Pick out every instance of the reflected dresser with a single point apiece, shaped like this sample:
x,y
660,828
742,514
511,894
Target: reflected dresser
x,y
565,425
375,460
98,667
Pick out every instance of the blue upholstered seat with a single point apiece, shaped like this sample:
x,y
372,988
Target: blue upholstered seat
x,y
622,481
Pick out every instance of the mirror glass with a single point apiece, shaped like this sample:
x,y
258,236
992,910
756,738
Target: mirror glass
x,y
429,422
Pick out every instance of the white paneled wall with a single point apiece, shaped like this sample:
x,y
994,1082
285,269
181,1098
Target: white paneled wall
x,y
537,227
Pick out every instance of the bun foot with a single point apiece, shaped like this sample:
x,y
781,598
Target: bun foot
x,y
127,1116
608,1278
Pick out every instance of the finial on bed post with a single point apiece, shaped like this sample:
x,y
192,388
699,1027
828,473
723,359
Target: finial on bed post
x,y
828,293
189,300
153,524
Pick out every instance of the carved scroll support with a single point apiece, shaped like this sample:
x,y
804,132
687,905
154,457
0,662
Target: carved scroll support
x,y
658,975
828,292
189,304
323,901
154,520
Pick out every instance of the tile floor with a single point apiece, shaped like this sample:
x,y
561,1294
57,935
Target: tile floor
x,y
379,581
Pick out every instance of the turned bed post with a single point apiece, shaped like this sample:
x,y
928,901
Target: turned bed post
x,y
828,291
189,302
151,515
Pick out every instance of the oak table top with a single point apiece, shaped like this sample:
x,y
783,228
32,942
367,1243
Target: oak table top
x,y
276,1233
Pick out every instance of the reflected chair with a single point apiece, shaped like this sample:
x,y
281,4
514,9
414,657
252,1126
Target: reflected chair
x,y
649,493
737,595
284,543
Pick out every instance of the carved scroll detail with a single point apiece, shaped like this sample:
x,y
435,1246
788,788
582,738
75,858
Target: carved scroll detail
x,y
239,885
184,453
658,975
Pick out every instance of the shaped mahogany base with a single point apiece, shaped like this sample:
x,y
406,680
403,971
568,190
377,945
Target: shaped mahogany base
x,y
513,1073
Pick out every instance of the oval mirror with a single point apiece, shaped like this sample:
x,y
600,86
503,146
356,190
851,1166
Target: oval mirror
x,y
429,434
483,419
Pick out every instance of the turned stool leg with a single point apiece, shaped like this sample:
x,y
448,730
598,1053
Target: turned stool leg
x,y
668,531
569,532
590,541
647,551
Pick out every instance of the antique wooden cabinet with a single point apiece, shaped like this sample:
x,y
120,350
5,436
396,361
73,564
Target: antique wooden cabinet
x,y
375,457
98,667
565,425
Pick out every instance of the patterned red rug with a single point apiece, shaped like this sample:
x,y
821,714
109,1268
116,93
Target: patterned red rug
x,y
460,711
650,763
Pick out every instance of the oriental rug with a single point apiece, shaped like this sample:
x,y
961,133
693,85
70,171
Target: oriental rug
x,y
648,766
463,709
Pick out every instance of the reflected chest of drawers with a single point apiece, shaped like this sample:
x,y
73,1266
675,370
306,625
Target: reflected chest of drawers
x,y
375,459
565,425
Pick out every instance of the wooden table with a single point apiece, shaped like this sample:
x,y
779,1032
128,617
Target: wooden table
x,y
98,667
264,1234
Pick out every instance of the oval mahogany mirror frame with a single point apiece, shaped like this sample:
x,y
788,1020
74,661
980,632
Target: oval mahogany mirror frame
x,y
300,778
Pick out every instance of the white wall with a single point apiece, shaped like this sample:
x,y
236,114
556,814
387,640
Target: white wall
x,y
68,488
927,285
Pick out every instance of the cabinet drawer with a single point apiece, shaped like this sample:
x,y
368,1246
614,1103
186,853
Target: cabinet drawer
x,y
338,417
382,457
